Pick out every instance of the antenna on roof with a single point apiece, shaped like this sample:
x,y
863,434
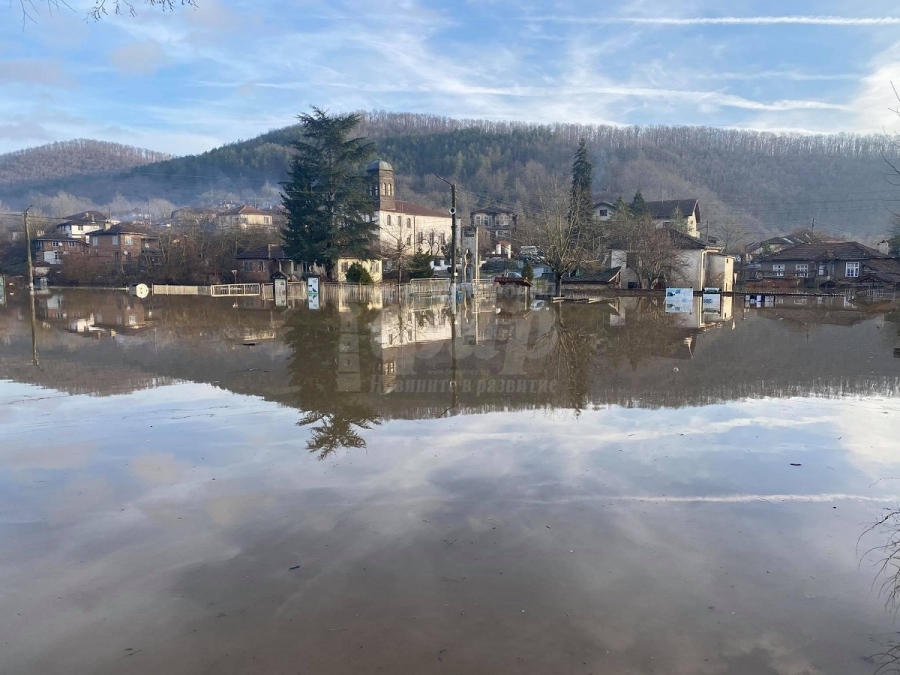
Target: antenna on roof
x,y
813,223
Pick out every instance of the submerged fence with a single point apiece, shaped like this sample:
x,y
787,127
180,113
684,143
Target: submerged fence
x,y
414,291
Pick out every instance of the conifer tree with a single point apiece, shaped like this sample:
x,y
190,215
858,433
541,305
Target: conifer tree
x,y
582,199
330,213
638,206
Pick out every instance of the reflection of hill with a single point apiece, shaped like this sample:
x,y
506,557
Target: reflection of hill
x,y
367,364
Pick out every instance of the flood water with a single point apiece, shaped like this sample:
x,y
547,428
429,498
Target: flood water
x,y
204,485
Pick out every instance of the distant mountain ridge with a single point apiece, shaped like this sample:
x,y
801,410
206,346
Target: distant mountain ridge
x,y
770,183
72,158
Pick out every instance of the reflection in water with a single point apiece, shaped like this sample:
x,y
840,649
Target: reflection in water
x,y
886,555
398,362
507,516
327,366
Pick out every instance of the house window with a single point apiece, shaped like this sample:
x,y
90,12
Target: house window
x,y
852,270
421,237
389,221
129,241
443,238
268,220
95,241
409,222
246,265
778,270
115,240
73,244
801,269
345,266
409,239
603,213
821,269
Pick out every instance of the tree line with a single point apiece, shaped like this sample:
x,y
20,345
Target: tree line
x,y
769,183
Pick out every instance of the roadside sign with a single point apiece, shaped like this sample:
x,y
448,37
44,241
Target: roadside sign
x,y
312,292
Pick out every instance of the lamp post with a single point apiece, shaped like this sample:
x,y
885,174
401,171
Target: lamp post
x,y
452,243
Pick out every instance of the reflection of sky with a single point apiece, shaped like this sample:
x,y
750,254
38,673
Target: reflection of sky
x,y
624,534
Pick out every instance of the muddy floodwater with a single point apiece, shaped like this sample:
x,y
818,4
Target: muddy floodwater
x,y
206,485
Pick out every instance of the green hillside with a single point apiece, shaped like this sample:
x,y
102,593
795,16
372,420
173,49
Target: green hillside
x,y
770,183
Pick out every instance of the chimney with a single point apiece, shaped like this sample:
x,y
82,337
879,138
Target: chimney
x,y
884,247
270,249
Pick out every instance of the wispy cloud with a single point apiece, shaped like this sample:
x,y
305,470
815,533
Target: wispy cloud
x,y
733,20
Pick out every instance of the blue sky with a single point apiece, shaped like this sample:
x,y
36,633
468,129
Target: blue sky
x,y
188,81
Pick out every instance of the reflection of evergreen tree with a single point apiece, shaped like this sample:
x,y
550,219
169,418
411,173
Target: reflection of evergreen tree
x,y
315,341
570,348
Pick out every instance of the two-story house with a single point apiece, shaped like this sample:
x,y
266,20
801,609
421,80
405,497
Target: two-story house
x,y
53,248
259,264
682,214
120,245
82,224
821,263
495,224
244,216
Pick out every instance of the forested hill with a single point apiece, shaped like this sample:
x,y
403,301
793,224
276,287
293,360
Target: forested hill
x,y
71,158
770,183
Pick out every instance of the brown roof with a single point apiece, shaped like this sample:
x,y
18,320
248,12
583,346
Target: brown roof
x,y
123,228
410,209
885,270
842,250
269,252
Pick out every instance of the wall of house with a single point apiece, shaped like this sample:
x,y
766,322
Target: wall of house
x,y
833,270
343,264
693,270
409,229
720,272
123,247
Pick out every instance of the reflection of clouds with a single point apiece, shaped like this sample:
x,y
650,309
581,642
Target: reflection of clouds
x,y
46,457
868,431
647,561
158,468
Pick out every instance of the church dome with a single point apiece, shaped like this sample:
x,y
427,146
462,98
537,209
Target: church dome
x,y
379,165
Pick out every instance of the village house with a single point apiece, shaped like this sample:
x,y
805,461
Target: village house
x,y
817,264
664,213
188,216
82,224
260,264
52,249
777,244
700,265
496,225
244,216
121,244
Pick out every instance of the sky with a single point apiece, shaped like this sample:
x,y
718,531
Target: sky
x,y
186,81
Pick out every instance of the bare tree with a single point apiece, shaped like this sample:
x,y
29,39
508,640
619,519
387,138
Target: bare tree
x,y
652,251
563,241
98,9
730,233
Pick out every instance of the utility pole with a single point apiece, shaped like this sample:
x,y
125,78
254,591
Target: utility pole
x,y
28,244
452,244
34,354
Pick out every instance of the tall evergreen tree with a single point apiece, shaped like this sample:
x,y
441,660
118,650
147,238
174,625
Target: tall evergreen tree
x,y
582,198
638,206
330,213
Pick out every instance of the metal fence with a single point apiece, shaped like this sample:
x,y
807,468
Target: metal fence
x,y
170,289
228,290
